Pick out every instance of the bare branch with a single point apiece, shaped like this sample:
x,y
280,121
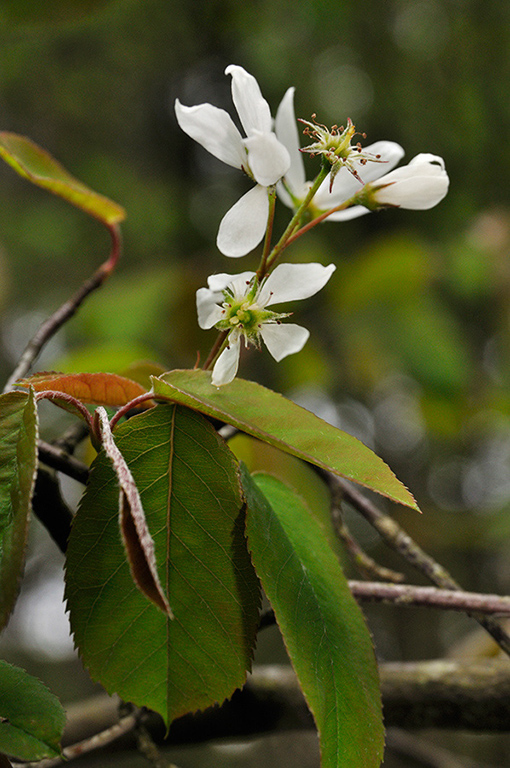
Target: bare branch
x,y
396,538
66,311
366,565
408,594
58,459
51,509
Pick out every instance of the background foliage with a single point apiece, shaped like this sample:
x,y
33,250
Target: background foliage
x,y
410,349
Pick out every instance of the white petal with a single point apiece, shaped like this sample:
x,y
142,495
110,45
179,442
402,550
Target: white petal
x,y
290,282
284,339
227,364
243,226
426,157
419,193
214,129
418,186
346,185
252,108
268,159
287,133
208,311
354,212
220,281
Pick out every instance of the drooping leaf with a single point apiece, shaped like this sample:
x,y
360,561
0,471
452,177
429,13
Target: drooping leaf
x,y
31,718
18,462
322,626
137,540
189,489
94,388
280,422
38,166
296,474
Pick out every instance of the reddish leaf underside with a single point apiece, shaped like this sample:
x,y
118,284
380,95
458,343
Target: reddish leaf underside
x,y
94,388
135,534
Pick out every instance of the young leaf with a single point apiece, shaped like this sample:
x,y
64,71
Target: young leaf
x,y
31,718
94,388
135,534
322,626
189,488
18,462
275,420
35,164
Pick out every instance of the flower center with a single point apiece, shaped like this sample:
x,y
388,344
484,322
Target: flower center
x,y
335,145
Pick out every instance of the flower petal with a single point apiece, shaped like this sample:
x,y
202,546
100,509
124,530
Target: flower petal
x,y
426,157
243,226
290,282
346,185
419,193
252,108
418,186
354,212
227,364
283,339
267,158
208,310
214,129
287,134
220,281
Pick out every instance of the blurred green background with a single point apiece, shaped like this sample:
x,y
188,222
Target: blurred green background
x,y
409,344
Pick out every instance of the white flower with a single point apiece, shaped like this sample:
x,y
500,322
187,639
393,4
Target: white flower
x,y
367,166
237,304
260,155
420,185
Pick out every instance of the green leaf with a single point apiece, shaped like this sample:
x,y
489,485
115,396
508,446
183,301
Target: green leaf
x,y
35,164
189,488
296,474
275,420
31,718
322,626
18,463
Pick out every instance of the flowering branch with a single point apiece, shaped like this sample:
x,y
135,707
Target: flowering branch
x,y
287,237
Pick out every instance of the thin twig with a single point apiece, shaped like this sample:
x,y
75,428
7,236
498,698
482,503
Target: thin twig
x,y
396,538
365,564
48,329
408,594
125,725
149,749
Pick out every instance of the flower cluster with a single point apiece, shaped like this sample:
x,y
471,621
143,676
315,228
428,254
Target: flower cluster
x,y
353,181
238,305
